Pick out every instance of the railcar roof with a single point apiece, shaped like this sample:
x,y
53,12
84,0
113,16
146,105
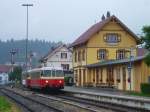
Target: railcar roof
x,y
45,68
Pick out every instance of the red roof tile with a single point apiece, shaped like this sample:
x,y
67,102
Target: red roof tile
x,y
5,68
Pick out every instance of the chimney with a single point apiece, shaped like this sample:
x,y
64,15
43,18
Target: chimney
x,y
108,14
103,17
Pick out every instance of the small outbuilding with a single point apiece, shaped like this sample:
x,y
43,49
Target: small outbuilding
x,y
4,71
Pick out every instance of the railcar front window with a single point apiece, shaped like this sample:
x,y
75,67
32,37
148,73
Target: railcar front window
x,y
59,73
47,73
53,73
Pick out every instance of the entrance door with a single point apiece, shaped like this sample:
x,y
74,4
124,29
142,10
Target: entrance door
x,y
80,77
110,76
97,76
84,76
124,78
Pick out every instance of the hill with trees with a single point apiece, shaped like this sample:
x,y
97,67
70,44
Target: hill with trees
x,y
37,47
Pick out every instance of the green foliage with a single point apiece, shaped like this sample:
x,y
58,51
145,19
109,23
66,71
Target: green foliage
x,y
5,106
145,88
146,40
146,37
147,59
68,80
16,74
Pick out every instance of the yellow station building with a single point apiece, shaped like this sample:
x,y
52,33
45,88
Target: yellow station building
x,y
103,54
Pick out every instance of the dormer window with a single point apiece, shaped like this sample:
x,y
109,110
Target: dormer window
x,y
112,38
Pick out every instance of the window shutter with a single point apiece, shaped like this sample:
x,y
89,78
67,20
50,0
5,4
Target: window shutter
x,y
116,54
98,56
124,53
119,37
107,54
105,38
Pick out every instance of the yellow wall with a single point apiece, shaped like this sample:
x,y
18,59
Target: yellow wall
x,y
97,42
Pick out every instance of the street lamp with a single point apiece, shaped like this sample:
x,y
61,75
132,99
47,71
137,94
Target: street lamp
x,y
130,64
27,5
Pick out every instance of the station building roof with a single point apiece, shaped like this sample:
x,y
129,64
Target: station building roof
x,y
98,27
114,62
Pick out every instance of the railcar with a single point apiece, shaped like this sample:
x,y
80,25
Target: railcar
x,y
44,78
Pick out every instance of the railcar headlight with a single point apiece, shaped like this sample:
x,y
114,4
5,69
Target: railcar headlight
x,y
46,81
60,81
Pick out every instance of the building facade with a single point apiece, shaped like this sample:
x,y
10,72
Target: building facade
x,y
103,55
58,57
4,71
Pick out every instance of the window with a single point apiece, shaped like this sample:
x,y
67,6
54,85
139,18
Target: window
x,y
59,73
53,73
63,55
65,66
83,55
35,74
120,54
79,56
46,73
112,38
75,57
101,54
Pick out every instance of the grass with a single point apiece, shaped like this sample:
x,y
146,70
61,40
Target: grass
x,y
7,106
138,94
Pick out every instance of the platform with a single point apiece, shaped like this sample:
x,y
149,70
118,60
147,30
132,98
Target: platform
x,y
110,95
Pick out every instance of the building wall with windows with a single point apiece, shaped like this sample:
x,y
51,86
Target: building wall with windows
x,y
107,42
3,78
59,57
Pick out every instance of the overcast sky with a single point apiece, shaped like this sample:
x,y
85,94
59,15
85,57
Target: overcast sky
x,y
65,20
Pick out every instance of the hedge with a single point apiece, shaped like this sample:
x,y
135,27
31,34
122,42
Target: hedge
x,y
145,88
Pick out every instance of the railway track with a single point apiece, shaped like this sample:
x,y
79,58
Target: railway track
x,y
59,103
87,104
30,104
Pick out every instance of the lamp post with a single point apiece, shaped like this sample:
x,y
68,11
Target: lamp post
x,y
130,65
27,32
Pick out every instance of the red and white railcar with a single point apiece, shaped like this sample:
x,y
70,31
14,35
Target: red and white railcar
x,y
45,77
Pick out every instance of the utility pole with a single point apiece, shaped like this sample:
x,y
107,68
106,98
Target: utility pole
x,y
27,33
12,52
30,59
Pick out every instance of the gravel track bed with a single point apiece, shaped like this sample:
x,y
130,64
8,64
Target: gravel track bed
x,y
31,105
58,104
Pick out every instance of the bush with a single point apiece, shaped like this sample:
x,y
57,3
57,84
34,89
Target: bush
x,y
145,88
68,81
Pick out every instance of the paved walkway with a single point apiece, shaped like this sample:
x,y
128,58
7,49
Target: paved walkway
x,y
95,90
103,91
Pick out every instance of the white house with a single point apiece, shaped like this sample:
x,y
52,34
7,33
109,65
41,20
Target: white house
x,y
58,57
4,70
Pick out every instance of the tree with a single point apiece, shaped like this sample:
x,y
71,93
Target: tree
x,y
16,74
146,40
